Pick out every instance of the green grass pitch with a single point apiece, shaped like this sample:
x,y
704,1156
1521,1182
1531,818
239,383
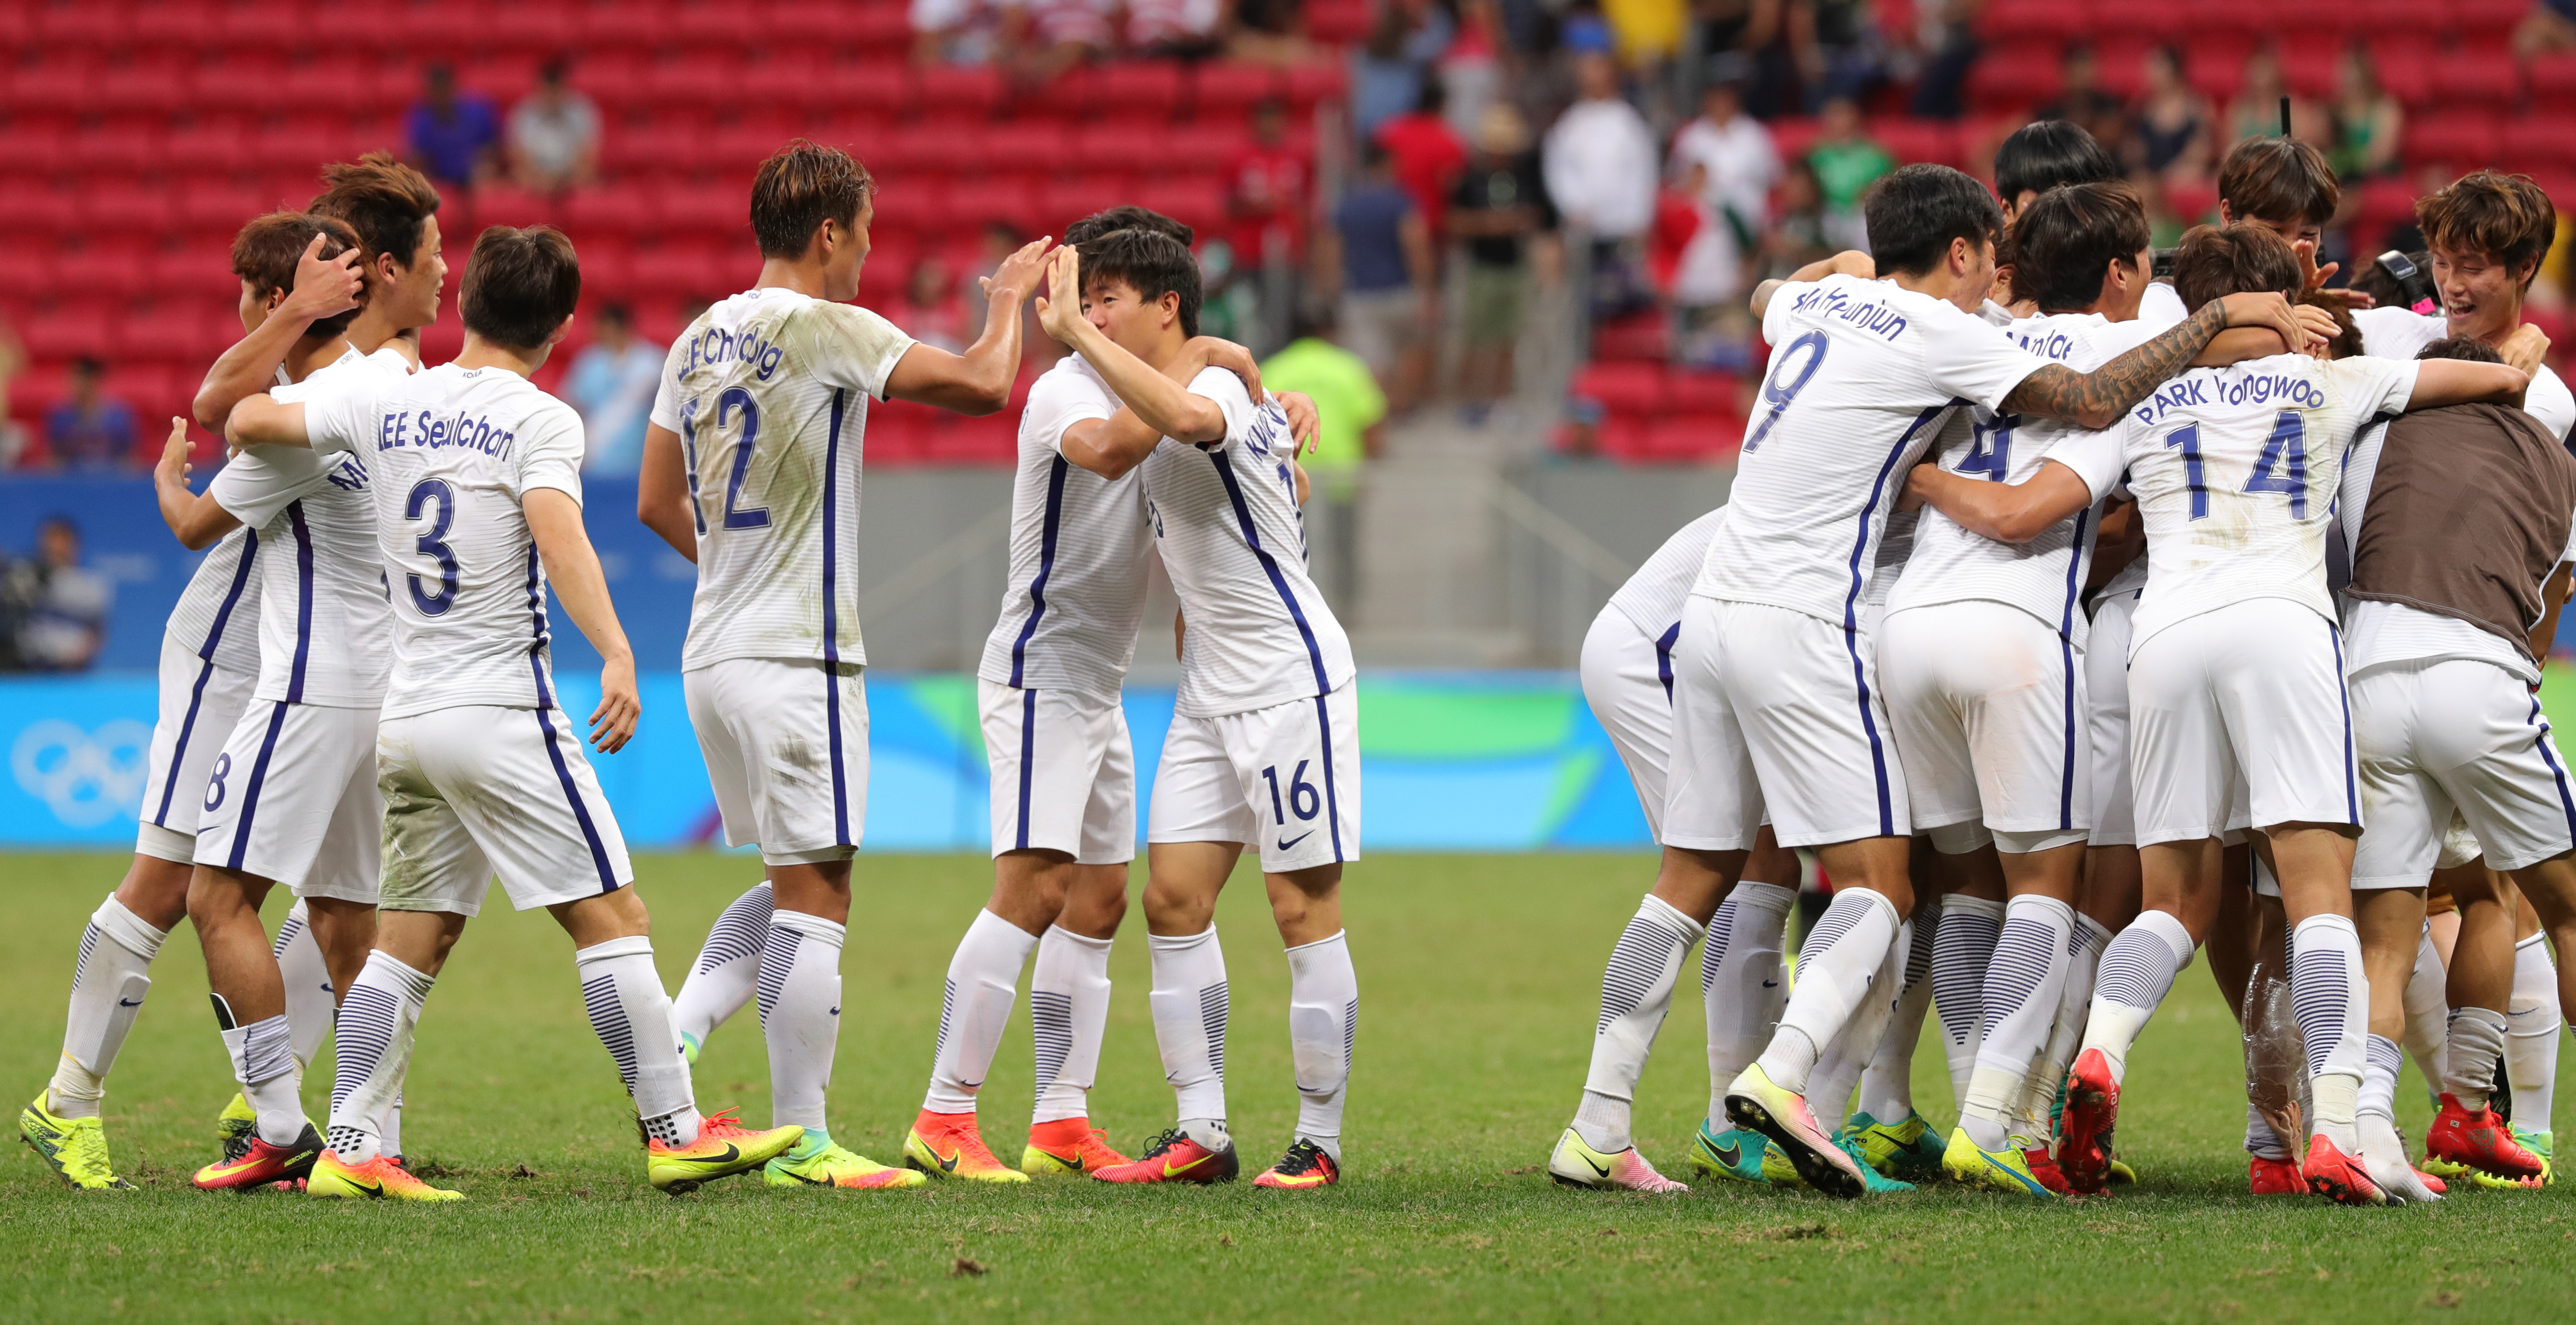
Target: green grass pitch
x,y
1479,977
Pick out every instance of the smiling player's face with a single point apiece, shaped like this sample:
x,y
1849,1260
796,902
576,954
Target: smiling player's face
x,y
2481,297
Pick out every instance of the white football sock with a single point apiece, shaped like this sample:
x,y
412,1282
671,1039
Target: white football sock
x,y
727,968
108,987
631,1014
2135,973
390,1140
310,1000
2023,987
1840,1067
377,1021
2084,945
1068,1017
1887,1085
1741,983
1961,954
2531,1035
263,1055
1636,993
800,1014
1323,1022
2476,1040
983,984
2331,999
1842,956
2381,1060
2428,1011
1190,1001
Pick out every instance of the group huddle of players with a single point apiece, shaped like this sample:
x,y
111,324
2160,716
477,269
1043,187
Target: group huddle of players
x,y
357,698
2075,619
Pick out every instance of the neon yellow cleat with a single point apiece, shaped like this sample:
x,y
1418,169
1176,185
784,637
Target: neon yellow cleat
x,y
950,1145
379,1179
236,1127
1905,1148
1068,1147
1756,1103
1734,1154
818,1161
724,1147
74,1148
2005,1170
2121,1174
1576,1164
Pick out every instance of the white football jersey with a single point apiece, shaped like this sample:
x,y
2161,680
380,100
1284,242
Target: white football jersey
x,y
1652,598
2549,401
1225,516
2235,471
323,634
2045,576
1862,375
1076,588
769,392
450,453
2397,333
217,615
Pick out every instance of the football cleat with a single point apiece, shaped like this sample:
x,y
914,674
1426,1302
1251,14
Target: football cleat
x,y
2043,1166
1304,1167
1067,1147
1755,1103
1872,1181
2383,1157
236,1127
74,1148
724,1147
950,1145
2273,1177
2538,1144
2338,1177
816,1160
1907,1147
1174,1157
2121,1175
2005,1170
1734,1154
380,1179
263,1165
2478,1142
690,1047
1576,1164
2092,1108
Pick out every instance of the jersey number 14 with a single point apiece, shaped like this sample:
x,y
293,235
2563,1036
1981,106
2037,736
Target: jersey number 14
x,y
2282,468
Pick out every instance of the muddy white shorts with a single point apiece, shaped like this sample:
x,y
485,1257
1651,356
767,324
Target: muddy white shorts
x,y
200,705
1064,773
2455,733
1628,680
1988,704
479,790
1283,779
292,798
2250,695
786,747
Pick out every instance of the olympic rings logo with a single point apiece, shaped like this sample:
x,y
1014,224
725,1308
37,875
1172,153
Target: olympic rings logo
x,y
85,777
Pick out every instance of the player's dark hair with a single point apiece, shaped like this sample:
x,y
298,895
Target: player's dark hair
x,y
2278,180
2068,237
1127,217
267,251
2469,348
1917,210
1149,262
2505,217
801,186
2244,258
2346,343
388,203
520,285
2043,154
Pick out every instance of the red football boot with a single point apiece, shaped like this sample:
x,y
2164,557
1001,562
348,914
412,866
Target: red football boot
x,y
2339,1177
2043,1166
264,1165
1174,1157
2274,1177
2092,1108
2480,1140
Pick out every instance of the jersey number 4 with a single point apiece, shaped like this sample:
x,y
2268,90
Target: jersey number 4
x,y
1990,448
2282,468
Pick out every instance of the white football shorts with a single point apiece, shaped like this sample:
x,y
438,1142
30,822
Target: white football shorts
x,y
2249,694
200,705
1284,779
2106,707
1988,705
2460,733
479,790
1064,773
786,747
1628,680
1775,709
292,798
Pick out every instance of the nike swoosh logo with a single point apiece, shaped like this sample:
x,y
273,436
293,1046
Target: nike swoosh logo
x,y
731,1153
1602,1169
370,1188
836,1012
1731,1154
1287,842
947,1163
1171,1172
1770,984
129,1002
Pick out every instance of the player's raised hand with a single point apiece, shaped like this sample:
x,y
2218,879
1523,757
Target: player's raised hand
x,y
1020,273
1060,308
324,286
2525,348
2315,277
2266,309
2319,323
172,467
612,724
1304,423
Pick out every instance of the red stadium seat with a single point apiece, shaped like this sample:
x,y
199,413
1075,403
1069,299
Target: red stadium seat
x,y
2553,80
1229,90
684,268
175,329
2383,205
702,213
950,91
2052,21
2214,65
25,273
2487,23
980,202
94,27
269,27
126,208
2016,77
611,209
2315,72
1791,136
2209,18
1139,90
2540,142
1311,83
1918,140
52,87
1694,392
197,271
1061,202
2465,139
1687,439
220,207
33,213
154,90
2484,78
1197,203
1645,336
1635,390
1028,147
1203,148
1123,149
67,333
111,150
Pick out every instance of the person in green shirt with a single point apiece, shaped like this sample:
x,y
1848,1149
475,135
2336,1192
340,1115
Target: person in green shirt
x,y
1348,408
1846,164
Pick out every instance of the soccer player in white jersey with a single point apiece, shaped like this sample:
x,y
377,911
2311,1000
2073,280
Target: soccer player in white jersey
x,y
1776,704
751,469
209,665
2238,721
476,479
1263,748
1627,676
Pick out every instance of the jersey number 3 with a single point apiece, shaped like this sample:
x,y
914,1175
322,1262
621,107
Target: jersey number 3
x,y
432,544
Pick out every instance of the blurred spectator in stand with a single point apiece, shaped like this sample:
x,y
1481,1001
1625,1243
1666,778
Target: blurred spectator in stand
x,y
931,312
1270,32
1741,162
59,606
455,138
14,441
1382,259
1471,65
1043,38
1734,38
1947,33
1847,162
1175,29
1797,236
1600,156
1427,153
1386,72
2169,134
554,135
1502,203
2256,111
612,383
2368,123
91,430
1647,36
1348,408
2550,26
1835,49
1230,307
1698,260
955,31
1269,187
2082,102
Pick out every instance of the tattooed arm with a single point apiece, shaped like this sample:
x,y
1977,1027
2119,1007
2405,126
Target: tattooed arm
x,y
2097,398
